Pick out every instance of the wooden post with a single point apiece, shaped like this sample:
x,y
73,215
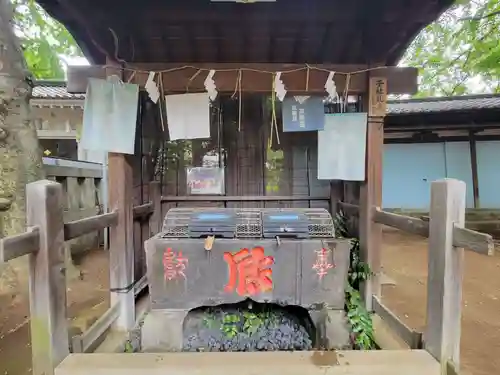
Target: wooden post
x,y
473,162
445,272
47,282
370,233
156,219
121,237
121,240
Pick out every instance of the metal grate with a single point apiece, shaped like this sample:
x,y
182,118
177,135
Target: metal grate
x,y
176,223
320,222
249,222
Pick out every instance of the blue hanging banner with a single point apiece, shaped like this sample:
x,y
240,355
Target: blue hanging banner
x,y
303,113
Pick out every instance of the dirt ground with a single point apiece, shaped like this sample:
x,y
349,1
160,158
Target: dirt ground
x,y
404,260
88,299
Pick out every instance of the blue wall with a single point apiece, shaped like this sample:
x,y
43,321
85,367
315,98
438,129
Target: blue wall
x,y
488,171
409,169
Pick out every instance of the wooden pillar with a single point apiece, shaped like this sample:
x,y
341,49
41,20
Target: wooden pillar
x,y
473,162
156,219
445,273
370,233
47,282
336,196
121,237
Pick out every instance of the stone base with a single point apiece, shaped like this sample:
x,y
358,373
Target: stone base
x,y
162,331
331,329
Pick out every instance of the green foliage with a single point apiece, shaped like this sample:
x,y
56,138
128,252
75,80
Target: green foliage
x,y
209,319
129,348
359,318
460,52
230,325
43,39
252,322
243,322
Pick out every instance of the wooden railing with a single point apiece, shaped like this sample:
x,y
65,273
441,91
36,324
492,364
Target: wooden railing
x,y
447,240
83,196
44,243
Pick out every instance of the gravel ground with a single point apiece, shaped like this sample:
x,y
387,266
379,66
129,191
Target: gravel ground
x,y
244,329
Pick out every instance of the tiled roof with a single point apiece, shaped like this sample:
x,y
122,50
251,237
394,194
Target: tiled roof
x,y
57,90
444,104
53,90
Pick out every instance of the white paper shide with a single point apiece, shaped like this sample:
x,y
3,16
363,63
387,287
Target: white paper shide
x,y
188,116
210,85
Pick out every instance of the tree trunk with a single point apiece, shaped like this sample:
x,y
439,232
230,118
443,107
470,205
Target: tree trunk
x,y
20,154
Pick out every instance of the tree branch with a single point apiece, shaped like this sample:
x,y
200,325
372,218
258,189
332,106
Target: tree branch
x,y
478,18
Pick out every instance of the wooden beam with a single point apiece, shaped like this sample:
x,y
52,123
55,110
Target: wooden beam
x,y
77,228
445,272
407,224
94,335
64,171
478,242
249,198
16,246
408,335
399,80
143,211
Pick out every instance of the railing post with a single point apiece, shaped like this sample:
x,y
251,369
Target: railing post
x,y
155,221
121,240
47,282
445,272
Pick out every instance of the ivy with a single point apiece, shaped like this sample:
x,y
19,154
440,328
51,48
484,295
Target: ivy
x,y
358,316
242,322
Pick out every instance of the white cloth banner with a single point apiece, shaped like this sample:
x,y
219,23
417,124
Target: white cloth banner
x,y
342,147
188,116
110,116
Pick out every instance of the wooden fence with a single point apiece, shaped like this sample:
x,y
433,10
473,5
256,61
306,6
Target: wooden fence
x,y
44,243
447,240
83,196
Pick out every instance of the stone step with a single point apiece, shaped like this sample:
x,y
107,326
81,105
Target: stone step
x,y
380,362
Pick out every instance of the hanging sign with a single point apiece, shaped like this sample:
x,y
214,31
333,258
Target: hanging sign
x,y
205,181
342,147
303,113
378,97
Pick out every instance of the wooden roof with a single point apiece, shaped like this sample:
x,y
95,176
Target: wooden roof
x,y
285,31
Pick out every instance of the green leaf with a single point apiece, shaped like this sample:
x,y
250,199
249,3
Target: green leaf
x,y
43,40
459,53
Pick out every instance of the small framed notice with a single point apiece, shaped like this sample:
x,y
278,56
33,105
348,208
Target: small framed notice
x,y
205,181
378,97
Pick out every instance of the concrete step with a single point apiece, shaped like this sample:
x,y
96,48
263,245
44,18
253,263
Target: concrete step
x,y
380,362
